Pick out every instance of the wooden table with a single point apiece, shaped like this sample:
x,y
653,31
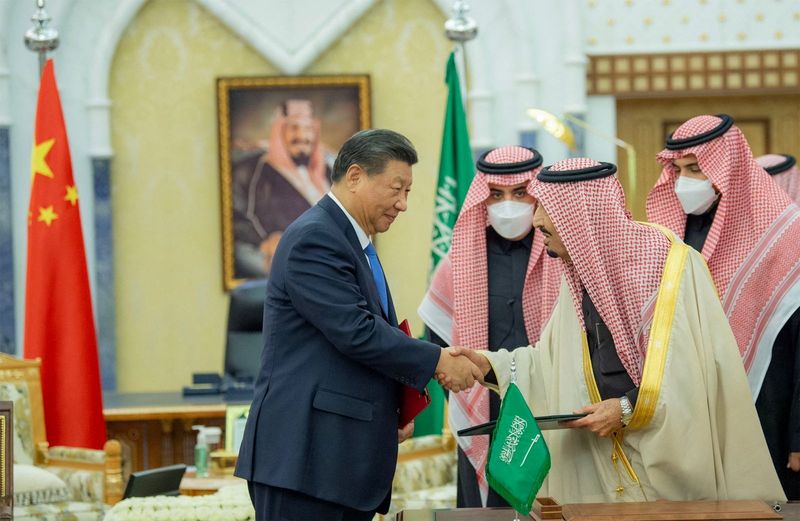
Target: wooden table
x,y
655,511
155,429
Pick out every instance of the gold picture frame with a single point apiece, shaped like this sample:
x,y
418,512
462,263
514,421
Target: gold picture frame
x,y
278,137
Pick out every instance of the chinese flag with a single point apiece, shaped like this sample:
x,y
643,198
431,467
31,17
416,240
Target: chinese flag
x,y
59,327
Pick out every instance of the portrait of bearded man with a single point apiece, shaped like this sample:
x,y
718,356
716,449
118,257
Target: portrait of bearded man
x,y
272,189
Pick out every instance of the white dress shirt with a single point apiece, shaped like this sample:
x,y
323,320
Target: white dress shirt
x,y
363,238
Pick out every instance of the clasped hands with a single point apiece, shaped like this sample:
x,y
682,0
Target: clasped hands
x,y
603,418
460,367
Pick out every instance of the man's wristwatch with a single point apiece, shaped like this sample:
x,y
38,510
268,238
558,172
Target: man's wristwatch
x,y
627,410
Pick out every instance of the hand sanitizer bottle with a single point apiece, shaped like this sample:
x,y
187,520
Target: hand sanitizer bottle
x,y
201,452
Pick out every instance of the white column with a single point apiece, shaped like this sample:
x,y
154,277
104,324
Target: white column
x,y
575,62
526,81
99,112
480,98
5,75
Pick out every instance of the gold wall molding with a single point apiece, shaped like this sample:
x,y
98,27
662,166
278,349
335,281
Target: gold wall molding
x,y
710,73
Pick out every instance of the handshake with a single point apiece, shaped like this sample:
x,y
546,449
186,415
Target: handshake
x,y
460,367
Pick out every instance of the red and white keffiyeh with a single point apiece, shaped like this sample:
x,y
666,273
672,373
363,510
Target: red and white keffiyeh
x,y
753,246
298,112
788,179
617,260
456,306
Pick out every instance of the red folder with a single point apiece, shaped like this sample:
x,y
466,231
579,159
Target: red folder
x,y
412,402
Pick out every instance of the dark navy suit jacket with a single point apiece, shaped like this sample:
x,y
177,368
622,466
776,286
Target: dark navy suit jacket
x,y
324,418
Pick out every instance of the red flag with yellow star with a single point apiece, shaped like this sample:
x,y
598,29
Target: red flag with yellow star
x,y
59,325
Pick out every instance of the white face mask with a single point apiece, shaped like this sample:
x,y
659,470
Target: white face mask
x,y
696,196
511,219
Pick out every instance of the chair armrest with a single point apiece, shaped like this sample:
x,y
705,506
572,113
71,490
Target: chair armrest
x,y
40,453
92,474
64,455
423,447
423,463
425,473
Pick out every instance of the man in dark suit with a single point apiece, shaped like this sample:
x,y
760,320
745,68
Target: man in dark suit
x,y
321,437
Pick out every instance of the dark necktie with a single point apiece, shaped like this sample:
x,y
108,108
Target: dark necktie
x,y
378,277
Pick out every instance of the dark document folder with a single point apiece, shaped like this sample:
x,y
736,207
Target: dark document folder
x,y
546,423
412,401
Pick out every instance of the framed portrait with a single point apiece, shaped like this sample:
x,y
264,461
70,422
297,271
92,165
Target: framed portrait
x,y
278,138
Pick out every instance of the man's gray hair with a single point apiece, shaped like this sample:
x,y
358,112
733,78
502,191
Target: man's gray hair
x,y
371,150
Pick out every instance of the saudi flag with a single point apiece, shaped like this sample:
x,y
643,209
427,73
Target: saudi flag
x,y
518,456
456,170
456,167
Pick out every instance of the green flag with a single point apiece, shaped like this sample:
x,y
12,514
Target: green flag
x,y
455,175
456,167
518,456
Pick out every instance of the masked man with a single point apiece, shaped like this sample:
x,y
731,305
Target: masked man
x,y
783,169
713,194
496,288
639,341
272,190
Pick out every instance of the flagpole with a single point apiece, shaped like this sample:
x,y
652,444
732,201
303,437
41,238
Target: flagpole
x,y
40,38
460,29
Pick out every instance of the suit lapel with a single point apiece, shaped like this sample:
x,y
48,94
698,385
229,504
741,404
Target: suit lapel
x,y
368,287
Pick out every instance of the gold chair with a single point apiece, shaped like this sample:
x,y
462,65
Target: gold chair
x,y
93,477
6,461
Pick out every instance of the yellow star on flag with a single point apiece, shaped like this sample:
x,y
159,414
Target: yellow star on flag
x,y
47,215
72,195
38,163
